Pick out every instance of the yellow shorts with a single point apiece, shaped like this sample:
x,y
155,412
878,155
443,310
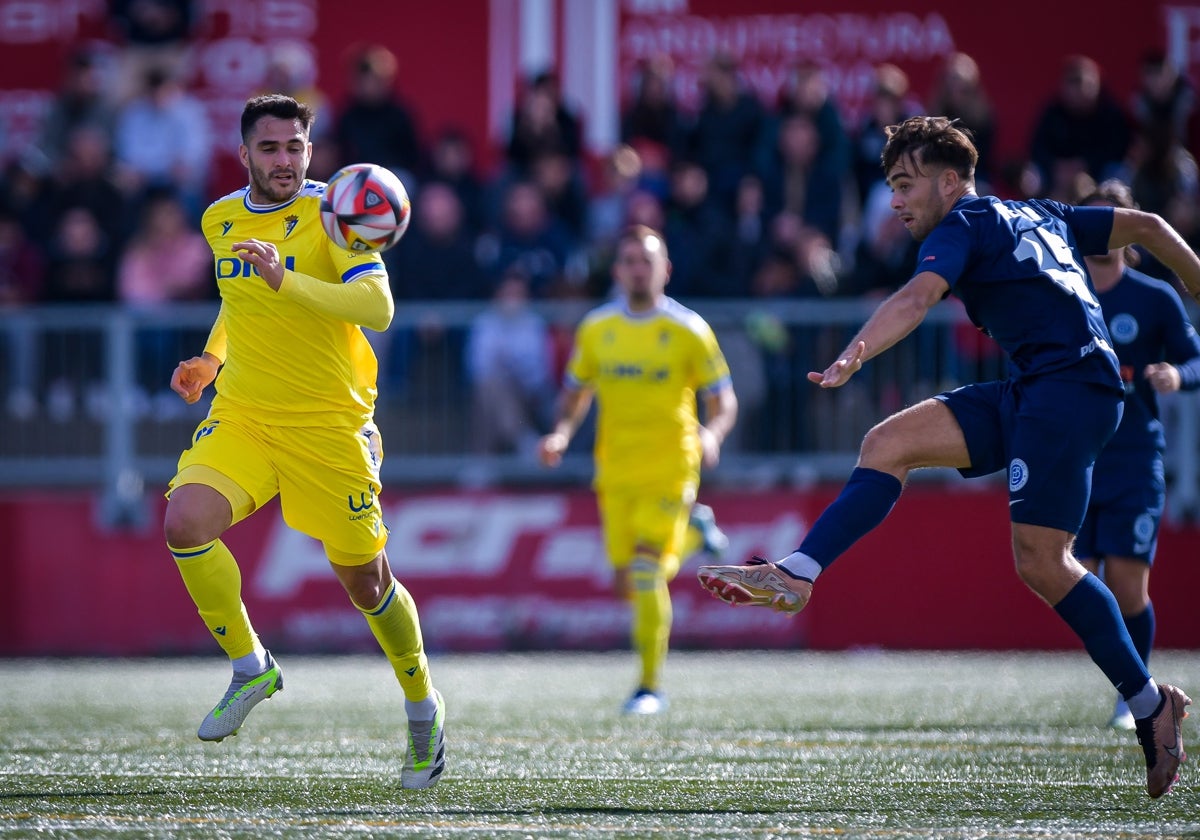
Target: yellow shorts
x,y
651,521
327,479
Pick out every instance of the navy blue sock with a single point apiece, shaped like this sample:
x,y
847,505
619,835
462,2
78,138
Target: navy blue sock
x,y
1141,630
864,502
1091,611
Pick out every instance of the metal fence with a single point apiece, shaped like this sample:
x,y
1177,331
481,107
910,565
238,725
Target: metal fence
x,y
86,402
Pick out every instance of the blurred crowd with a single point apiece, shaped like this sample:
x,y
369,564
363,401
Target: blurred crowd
x,y
757,200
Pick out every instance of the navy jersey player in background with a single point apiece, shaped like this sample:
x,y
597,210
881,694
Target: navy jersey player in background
x,y
1018,268
1159,353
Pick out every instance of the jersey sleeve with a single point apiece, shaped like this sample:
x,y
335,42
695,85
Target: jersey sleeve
x,y
712,369
217,343
367,301
946,250
581,367
1092,226
1182,343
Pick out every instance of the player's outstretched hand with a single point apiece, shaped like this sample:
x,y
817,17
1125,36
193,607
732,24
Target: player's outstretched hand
x,y
839,372
551,448
191,377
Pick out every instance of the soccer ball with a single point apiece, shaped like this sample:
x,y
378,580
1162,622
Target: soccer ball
x,y
365,208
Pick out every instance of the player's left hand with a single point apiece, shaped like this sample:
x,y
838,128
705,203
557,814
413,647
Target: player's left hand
x,y
1163,377
710,447
265,257
839,373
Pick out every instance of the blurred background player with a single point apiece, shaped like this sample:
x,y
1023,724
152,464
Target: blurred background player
x,y
292,418
1159,354
1046,424
646,358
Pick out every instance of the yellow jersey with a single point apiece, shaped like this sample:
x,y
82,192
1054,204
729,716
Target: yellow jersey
x,y
646,369
296,356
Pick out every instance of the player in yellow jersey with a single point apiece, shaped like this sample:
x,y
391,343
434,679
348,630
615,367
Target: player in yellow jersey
x,y
645,358
292,416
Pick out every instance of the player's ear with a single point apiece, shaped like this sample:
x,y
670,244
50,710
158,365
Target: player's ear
x,y
244,155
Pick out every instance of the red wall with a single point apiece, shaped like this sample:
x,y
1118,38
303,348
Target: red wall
x,y
513,571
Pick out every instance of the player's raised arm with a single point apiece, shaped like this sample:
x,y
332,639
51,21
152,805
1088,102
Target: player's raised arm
x,y
895,318
1151,231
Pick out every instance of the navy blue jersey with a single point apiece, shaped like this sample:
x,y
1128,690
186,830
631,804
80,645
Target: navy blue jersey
x,y
1148,324
1017,267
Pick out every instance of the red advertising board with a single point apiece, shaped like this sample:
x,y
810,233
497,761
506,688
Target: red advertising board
x,y
511,571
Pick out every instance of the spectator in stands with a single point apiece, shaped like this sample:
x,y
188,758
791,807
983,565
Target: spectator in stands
x,y
81,269
696,231
958,93
86,177
890,103
1082,130
374,125
164,141
807,92
510,370
452,162
155,36
725,133
886,254
167,260
434,261
22,273
531,238
749,236
81,101
542,123
1165,101
292,70
651,117
799,179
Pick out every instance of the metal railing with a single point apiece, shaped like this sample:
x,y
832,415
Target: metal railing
x,y
86,402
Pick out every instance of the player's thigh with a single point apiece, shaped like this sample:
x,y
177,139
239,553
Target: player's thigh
x,y
1059,430
329,488
1130,493
923,435
649,522
233,457
983,413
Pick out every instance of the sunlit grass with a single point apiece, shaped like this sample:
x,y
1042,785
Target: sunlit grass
x,y
757,744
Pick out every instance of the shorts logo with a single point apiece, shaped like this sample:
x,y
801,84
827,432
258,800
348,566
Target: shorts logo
x,y
1018,475
1143,533
1123,328
365,500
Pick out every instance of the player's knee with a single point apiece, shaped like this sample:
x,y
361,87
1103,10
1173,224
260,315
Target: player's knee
x,y
881,448
644,575
186,527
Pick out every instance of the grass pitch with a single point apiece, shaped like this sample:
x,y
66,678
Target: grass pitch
x,y
755,745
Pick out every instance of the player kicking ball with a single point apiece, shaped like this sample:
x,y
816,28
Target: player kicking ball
x,y
1018,267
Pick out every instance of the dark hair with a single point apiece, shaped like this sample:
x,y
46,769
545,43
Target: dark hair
x,y
931,141
1113,191
639,234
1117,193
275,105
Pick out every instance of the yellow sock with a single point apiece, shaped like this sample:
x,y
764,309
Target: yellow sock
x,y
651,618
214,581
396,626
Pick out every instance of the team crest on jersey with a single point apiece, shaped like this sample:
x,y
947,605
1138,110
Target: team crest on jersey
x,y
1124,328
1018,475
664,337
289,224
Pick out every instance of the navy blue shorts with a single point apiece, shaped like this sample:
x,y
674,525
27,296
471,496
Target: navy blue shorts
x,y
1047,433
1129,492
